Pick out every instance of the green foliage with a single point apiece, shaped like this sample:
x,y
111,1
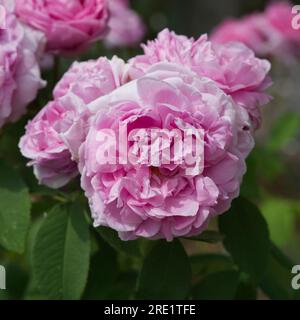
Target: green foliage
x,y
14,209
16,282
208,236
250,188
219,285
111,237
204,264
246,237
61,253
246,290
104,271
277,280
166,272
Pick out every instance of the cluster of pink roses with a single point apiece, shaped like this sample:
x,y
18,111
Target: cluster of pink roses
x,y
33,27
270,33
178,83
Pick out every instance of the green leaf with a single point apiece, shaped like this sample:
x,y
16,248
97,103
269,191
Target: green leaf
x,y
103,273
14,210
268,173
106,280
245,290
31,239
166,272
220,285
209,236
61,253
123,288
280,216
277,280
128,247
250,188
16,281
204,264
32,291
246,237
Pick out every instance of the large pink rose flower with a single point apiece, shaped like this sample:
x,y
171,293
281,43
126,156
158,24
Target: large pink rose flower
x,y
153,199
68,25
126,27
54,136
20,79
233,66
269,33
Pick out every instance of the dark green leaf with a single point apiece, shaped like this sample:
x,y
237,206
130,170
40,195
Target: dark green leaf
x,y
62,252
103,273
277,280
250,188
16,281
209,236
124,287
204,264
14,210
245,290
166,272
111,237
246,237
220,285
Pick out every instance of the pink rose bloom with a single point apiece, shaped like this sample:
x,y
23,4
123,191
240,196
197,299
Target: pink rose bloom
x,y
20,77
156,200
280,16
92,79
54,136
88,80
68,25
268,34
126,27
45,147
253,30
233,66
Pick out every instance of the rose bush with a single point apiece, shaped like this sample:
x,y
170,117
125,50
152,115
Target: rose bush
x,y
178,83
153,150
